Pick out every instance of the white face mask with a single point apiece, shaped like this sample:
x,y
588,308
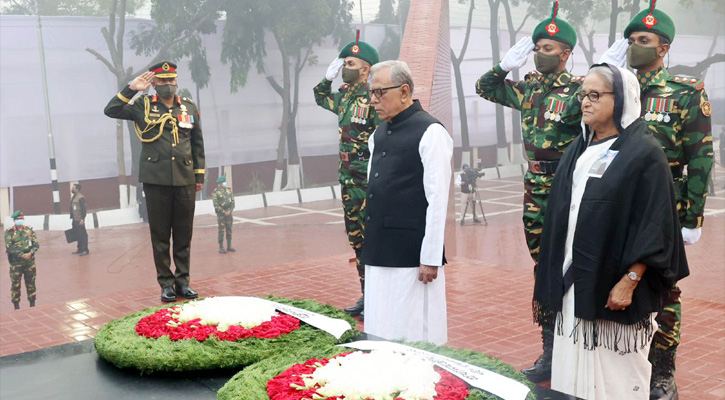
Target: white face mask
x,y
19,222
224,184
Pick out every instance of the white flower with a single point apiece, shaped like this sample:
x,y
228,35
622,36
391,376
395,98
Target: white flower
x,y
379,375
226,311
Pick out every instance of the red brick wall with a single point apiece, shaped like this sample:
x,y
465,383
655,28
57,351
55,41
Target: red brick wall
x,y
426,49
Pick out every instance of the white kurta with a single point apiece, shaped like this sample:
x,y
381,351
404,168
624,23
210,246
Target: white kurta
x,y
397,305
597,374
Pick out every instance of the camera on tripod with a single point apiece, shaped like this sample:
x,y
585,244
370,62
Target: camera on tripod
x,y
469,176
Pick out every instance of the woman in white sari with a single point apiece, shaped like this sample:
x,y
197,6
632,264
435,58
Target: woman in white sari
x,y
611,245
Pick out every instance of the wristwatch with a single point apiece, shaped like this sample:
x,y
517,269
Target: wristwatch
x,y
633,276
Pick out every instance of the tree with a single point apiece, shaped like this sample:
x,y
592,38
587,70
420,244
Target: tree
x,y
61,7
157,43
456,61
296,28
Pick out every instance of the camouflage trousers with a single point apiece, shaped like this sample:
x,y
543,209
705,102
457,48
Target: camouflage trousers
x,y
536,195
669,319
225,226
353,204
17,272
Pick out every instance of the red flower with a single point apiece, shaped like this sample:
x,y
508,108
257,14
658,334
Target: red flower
x,y
157,325
449,387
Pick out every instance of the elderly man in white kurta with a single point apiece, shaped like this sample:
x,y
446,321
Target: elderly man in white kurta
x,y
409,178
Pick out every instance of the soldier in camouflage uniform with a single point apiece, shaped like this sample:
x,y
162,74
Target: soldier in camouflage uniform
x,y
223,199
356,120
677,112
21,244
550,121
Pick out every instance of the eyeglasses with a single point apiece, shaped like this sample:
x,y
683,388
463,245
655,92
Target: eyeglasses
x,y
592,96
379,92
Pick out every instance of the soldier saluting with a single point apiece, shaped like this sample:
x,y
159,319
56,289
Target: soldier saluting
x,y
677,112
356,120
171,168
550,121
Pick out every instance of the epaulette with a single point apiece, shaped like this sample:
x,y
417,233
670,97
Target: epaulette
x,y
698,84
576,80
187,99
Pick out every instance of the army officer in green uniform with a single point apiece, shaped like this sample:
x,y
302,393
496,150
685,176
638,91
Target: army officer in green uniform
x,y
677,112
356,120
223,199
550,120
171,168
21,244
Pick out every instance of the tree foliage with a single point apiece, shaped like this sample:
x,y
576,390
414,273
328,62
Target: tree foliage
x,y
63,7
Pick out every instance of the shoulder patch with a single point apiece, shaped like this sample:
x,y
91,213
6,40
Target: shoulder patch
x,y
706,108
698,84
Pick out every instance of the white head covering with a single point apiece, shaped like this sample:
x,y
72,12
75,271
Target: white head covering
x,y
627,107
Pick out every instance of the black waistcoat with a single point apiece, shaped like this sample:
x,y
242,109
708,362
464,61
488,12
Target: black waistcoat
x,y
396,204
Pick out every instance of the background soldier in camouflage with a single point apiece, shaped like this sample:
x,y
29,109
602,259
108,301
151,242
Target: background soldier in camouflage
x,y
356,120
21,244
223,199
677,112
550,120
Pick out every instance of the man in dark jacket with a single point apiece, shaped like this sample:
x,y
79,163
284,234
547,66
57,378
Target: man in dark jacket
x,y
78,219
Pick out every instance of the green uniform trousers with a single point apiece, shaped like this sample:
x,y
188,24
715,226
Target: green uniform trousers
x,y
353,204
17,272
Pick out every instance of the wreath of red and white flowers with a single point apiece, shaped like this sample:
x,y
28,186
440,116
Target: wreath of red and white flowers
x,y
298,383
225,318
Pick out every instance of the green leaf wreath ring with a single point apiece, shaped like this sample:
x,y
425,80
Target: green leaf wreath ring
x,y
118,343
251,383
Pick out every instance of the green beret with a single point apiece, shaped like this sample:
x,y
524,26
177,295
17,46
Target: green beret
x,y
555,28
164,69
360,50
221,179
652,20
16,214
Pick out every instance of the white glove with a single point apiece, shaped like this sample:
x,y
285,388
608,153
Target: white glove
x,y
617,54
691,236
517,55
334,69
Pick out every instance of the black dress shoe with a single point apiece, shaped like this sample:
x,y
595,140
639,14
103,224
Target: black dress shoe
x,y
357,309
83,253
187,292
168,294
76,252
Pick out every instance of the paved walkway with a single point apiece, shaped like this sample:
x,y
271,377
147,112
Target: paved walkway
x,y
301,251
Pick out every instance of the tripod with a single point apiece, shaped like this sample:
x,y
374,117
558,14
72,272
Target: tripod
x,y
472,198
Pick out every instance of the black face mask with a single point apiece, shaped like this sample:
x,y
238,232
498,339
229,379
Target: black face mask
x,y
640,56
166,91
546,63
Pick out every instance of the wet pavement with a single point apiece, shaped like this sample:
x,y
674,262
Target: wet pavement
x,y
301,251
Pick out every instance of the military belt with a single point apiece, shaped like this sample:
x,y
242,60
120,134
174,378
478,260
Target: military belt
x,y
348,156
543,167
676,171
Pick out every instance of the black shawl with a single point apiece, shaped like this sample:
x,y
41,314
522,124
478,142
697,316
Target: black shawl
x,y
626,216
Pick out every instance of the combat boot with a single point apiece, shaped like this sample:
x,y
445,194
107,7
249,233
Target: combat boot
x,y
662,385
358,308
230,249
221,250
32,302
541,370
16,304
